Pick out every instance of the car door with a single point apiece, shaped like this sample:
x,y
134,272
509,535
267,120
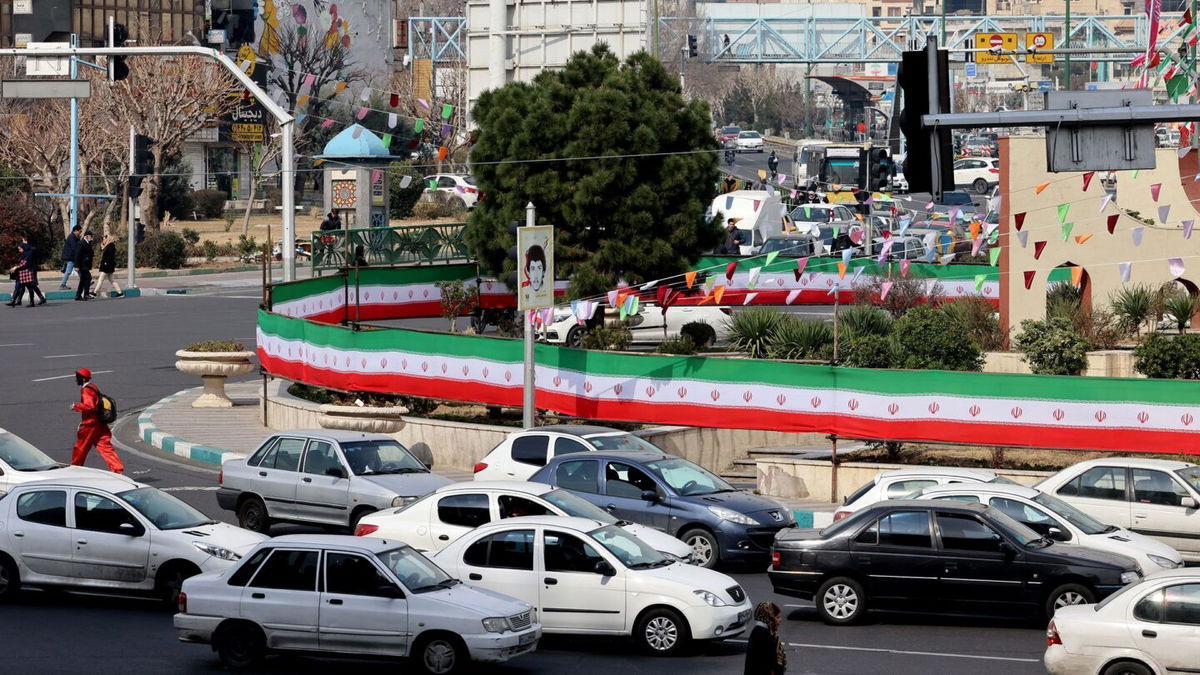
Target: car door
x,y
528,454
582,477
321,497
1166,625
1158,510
502,562
39,532
361,608
275,477
282,598
1100,492
896,556
574,593
454,515
979,573
625,484
110,544
565,445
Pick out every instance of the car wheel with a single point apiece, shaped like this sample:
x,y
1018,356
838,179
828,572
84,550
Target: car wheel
x,y
357,516
662,632
1066,595
10,579
170,582
1127,668
252,515
441,655
980,185
705,549
575,336
239,646
841,601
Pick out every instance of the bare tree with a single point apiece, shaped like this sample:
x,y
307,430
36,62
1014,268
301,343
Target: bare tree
x,y
262,154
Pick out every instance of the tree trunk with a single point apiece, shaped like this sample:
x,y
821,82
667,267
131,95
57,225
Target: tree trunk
x,y
250,203
64,212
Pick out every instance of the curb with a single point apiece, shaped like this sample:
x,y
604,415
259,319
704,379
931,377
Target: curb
x,y
158,274
58,294
174,445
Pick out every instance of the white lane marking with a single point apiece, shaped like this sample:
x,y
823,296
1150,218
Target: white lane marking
x,y
18,344
61,377
206,488
63,356
237,297
915,653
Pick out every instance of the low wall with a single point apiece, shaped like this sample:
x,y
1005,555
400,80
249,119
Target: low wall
x,y
1104,363
812,479
715,449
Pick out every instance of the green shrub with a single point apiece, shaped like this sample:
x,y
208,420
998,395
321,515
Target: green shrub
x,y
796,338
1052,347
863,319
603,338
978,317
428,210
701,334
1164,357
905,294
928,339
751,330
164,250
216,346
404,198
868,351
1133,306
208,203
191,236
682,345
210,250
246,246
1180,307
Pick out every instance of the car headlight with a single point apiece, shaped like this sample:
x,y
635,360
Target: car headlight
x,y
403,501
731,515
216,551
711,598
496,624
1130,577
1165,563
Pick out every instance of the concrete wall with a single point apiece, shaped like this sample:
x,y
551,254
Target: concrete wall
x,y
1106,363
812,479
715,449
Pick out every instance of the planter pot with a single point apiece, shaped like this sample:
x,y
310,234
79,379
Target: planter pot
x,y
213,368
366,419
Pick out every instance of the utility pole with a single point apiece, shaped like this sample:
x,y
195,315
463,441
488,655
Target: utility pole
x,y
943,38
683,54
131,233
74,208
527,409
1067,42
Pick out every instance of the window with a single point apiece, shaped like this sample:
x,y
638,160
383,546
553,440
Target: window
x,y
1036,519
972,499
578,475
875,11
1149,608
248,568
509,550
962,532
262,452
1157,487
903,488
353,575
288,571
568,553
624,480
446,182
566,446
530,450
470,510
284,455
320,457
101,514
163,510
515,507
48,507
1182,604
1101,482
903,528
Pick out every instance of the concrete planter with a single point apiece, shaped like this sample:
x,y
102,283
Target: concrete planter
x,y
213,368
367,419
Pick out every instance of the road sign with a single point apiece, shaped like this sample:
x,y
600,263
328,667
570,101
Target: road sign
x,y
45,89
1007,41
1039,41
971,70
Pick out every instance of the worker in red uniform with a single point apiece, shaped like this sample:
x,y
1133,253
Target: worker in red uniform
x,y
92,431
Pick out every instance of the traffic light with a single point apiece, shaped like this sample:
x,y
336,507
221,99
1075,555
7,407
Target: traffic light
x,y
693,50
143,158
135,186
914,83
117,35
879,170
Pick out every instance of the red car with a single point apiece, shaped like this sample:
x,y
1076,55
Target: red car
x,y
725,134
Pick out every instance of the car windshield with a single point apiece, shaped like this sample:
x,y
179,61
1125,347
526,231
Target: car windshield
x,y
1191,476
578,507
1001,480
165,511
748,134
1016,530
622,442
788,247
1118,593
468,180
812,214
21,456
369,458
731,130
1078,518
418,573
956,198
687,479
631,551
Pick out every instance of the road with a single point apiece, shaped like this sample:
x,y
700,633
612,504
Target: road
x,y
130,347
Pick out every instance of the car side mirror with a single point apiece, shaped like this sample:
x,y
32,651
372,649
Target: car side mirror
x,y
130,529
1057,534
389,591
1007,549
336,472
1188,502
606,569
649,496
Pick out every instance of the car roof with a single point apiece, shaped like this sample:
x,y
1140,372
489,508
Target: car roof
x,y
111,483
372,544
941,505
952,471
333,434
571,522
1178,573
582,430
522,486
1135,462
989,488
623,455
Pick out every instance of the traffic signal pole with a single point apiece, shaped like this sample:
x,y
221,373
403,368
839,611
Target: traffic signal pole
x,y
73,210
131,236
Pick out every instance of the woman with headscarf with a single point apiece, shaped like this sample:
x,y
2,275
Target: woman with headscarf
x,y
764,650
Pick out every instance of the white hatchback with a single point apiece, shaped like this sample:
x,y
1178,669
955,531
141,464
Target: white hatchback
x,y
522,453
1151,627
900,483
749,141
435,520
462,187
588,577
109,533
21,462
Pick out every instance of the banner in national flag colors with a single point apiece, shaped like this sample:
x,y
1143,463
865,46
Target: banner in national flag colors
x,y
1138,415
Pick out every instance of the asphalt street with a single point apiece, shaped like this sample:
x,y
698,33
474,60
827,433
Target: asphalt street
x,y
130,346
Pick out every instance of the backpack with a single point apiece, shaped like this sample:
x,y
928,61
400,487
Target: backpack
x,y
108,407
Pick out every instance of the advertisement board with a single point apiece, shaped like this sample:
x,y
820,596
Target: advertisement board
x,y
535,267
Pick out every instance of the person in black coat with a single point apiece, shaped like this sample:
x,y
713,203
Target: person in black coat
x,y
70,247
331,222
108,266
764,650
84,256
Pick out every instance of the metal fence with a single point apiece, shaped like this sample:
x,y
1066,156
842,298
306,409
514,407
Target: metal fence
x,y
389,245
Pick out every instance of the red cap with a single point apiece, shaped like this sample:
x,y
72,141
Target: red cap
x,y
84,373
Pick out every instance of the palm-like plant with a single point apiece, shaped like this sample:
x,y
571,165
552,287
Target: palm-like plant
x,y
861,320
1181,307
1133,305
750,330
796,338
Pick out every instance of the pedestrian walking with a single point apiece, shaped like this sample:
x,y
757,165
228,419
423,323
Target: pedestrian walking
x,y
108,266
93,430
68,254
734,239
332,222
764,650
26,276
84,255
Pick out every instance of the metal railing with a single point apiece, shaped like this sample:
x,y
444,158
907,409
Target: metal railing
x,y
406,245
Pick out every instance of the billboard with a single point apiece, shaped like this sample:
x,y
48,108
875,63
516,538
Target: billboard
x,y
535,267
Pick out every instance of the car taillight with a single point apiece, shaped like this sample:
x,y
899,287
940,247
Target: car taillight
x,y
469,190
480,466
182,602
774,559
993,170
221,477
1052,637
839,515
363,529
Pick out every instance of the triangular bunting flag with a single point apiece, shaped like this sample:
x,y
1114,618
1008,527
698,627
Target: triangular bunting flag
x,y
1163,212
1038,247
690,277
1082,238
718,292
904,265
729,270
886,287
1066,230
1176,267
1062,211
1187,228
1112,222
1023,237
1126,268
791,297
1019,221
1076,275
771,258
974,228
993,256
1137,233
979,279
1154,191
1087,179
1029,274
975,244
748,298
753,279
841,267
1038,190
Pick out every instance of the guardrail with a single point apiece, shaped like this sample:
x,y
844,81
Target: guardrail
x,y
334,249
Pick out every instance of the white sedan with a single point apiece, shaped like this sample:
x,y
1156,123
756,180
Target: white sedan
x,y
650,326
587,577
21,462
900,483
108,533
1151,627
749,141
462,187
435,520
978,173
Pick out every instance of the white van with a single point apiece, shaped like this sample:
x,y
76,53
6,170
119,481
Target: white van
x,y
759,214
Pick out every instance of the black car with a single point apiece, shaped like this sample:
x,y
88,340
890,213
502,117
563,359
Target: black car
x,y
934,556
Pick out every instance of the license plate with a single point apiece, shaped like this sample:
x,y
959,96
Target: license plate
x,y
743,616
528,638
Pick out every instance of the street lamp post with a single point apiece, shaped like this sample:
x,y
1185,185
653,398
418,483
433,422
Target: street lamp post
x,y
1067,42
